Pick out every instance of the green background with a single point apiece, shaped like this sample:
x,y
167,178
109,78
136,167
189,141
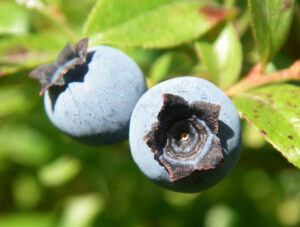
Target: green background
x,y
48,179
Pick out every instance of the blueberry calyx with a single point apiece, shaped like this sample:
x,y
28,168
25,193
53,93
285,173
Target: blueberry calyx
x,y
184,138
53,74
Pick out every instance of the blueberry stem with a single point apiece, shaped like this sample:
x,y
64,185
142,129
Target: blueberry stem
x,y
256,78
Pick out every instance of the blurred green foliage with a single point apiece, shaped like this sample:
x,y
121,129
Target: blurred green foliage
x,y
47,179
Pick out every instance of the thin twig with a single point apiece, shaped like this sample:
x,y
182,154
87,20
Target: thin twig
x,y
256,78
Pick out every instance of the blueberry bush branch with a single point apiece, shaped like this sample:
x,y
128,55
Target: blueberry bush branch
x,y
257,78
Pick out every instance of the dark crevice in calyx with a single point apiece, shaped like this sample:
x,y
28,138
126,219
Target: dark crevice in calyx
x,y
184,138
53,74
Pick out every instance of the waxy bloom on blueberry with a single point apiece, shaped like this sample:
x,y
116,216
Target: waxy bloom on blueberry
x,y
185,134
90,92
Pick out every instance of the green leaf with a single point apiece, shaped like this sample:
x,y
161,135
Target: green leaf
x,y
81,211
252,138
26,191
119,11
160,67
28,51
152,24
22,144
274,110
13,101
171,63
271,21
59,172
73,12
27,220
222,56
14,19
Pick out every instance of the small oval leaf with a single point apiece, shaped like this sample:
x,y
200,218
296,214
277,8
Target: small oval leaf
x,y
222,56
274,110
152,24
14,19
271,21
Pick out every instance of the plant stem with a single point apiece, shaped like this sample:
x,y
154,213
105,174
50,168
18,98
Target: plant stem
x,y
256,78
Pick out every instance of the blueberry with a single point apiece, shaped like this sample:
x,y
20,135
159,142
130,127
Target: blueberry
x,y
90,93
185,134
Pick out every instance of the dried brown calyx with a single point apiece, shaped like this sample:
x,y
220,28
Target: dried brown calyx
x,y
184,139
53,74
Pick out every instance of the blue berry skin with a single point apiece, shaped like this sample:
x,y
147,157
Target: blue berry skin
x,y
96,104
145,114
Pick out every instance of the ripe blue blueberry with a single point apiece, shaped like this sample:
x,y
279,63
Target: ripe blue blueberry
x,y
90,93
185,134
